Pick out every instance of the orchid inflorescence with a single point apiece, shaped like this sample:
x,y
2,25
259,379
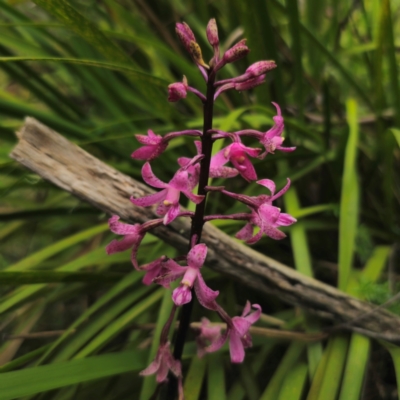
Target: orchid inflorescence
x,y
194,172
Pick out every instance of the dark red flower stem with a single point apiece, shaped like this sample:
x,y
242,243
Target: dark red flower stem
x,y
197,220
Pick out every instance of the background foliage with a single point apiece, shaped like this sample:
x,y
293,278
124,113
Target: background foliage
x,y
97,72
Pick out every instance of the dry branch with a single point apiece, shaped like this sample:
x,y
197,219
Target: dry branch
x,y
66,165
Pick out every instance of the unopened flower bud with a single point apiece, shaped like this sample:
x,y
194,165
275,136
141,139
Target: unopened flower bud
x,y
212,32
185,34
177,90
260,67
238,51
250,83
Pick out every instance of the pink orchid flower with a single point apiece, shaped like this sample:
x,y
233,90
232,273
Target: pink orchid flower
x,y
263,214
208,334
154,145
163,363
272,139
168,198
237,154
191,279
133,235
238,333
215,171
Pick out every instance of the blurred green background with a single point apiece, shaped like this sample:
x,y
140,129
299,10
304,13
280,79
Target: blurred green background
x,y
97,72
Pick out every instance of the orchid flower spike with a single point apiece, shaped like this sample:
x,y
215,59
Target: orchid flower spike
x,y
168,198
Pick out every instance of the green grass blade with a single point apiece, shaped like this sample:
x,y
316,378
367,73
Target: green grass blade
x,y
297,71
127,70
113,293
293,386
349,203
395,353
119,324
334,369
290,358
194,378
66,14
356,365
48,377
35,259
376,263
215,377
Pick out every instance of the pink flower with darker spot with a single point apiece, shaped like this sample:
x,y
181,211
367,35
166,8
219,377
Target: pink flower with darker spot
x,y
237,153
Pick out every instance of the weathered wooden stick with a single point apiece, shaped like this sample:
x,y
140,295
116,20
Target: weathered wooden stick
x,y
66,165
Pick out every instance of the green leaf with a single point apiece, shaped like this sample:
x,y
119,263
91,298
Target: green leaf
x,y
35,259
65,13
294,383
215,377
194,378
356,365
289,360
127,70
48,377
349,202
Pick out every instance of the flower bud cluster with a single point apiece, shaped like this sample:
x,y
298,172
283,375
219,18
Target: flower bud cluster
x,y
194,172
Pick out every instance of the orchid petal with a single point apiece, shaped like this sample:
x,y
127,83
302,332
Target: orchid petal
x,y
255,238
245,168
150,199
236,348
172,213
122,229
273,233
204,294
125,243
269,214
196,198
149,177
219,159
218,343
282,191
268,184
245,233
285,220
197,255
